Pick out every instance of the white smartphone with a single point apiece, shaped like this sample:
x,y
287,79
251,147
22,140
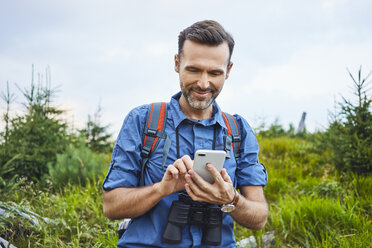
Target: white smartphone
x,y
202,157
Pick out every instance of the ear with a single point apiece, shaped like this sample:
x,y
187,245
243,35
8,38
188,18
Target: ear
x,y
229,69
176,63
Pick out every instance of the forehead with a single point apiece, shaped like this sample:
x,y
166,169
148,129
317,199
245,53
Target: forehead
x,y
194,53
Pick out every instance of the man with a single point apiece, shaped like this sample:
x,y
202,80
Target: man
x,y
194,121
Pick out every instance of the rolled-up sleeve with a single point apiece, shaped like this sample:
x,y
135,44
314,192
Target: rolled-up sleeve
x,y
125,166
249,170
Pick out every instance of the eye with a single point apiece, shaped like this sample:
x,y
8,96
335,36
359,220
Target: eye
x,y
216,73
192,69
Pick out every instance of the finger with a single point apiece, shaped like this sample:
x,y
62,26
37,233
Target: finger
x,y
225,176
187,162
204,185
216,175
197,193
191,193
180,166
172,171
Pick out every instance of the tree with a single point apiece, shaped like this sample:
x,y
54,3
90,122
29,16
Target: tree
x,y
34,139
95,134
8,99
349,135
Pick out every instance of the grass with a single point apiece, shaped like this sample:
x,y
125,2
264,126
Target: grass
x,y
77,214
310,205
310,221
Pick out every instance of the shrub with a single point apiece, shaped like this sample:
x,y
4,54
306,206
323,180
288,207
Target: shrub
x,y
76,165
275,130
349,135
9,183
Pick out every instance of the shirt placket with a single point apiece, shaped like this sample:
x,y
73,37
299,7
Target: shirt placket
x,y
202,139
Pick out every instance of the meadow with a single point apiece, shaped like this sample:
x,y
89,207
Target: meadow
x,y
311,205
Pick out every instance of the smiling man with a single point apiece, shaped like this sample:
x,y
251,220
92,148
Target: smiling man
x,y
202,70
169,203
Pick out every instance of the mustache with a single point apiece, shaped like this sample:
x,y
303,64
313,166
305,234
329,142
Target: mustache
x,y
202,90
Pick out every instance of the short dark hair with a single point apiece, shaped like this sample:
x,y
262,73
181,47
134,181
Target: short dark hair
x,y
206,32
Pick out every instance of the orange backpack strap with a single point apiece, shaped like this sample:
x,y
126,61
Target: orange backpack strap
x,y
233,138
153,132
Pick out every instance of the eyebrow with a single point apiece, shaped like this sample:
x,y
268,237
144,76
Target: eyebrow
x,y
217,71
192,67
198,69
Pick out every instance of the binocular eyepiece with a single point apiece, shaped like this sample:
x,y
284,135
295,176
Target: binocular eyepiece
x,y
183,212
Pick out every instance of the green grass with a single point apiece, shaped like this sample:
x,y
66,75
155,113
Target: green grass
x,y
310,221
310,205
77,213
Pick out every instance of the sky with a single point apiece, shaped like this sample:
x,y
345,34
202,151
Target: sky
x,y
290,56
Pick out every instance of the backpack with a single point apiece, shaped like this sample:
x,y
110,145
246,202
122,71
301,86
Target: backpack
x,y
155,130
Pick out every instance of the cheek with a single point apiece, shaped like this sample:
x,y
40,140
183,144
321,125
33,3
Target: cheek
x,y
188,79
218,83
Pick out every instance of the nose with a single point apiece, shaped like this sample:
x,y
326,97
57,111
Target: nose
x,y
203,82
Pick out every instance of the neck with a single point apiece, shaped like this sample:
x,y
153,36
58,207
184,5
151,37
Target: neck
x,y
192,113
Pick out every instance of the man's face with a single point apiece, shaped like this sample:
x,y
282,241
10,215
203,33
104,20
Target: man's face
x,y
202,70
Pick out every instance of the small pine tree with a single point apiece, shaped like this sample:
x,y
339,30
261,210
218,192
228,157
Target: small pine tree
x,y
8,99
96,136
349,135
7,178
34,139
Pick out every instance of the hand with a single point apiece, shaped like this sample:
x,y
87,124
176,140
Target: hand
x,y
174,177
220,192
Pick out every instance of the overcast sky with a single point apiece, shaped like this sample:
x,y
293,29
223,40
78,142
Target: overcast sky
x,y
290,56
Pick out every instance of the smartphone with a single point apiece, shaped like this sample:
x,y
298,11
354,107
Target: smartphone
x,y
202,157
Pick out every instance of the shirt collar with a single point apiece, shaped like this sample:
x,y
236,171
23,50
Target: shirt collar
x,y
177,115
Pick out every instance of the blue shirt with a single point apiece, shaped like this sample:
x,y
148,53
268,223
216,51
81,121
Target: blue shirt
x,y
125,170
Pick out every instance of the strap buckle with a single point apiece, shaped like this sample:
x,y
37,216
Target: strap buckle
x,y
236,138
151,132
145,151
227,145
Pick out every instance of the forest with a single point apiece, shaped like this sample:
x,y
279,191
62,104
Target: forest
x,y
51,175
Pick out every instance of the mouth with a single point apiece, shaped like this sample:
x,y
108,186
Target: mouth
x,y
202,93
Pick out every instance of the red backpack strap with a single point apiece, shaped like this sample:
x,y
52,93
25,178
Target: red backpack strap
x,y
153,132
233,138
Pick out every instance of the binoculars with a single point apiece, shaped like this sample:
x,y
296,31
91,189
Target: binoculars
x,y
182,213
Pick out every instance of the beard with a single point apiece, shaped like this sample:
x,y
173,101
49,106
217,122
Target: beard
x,y
199,103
